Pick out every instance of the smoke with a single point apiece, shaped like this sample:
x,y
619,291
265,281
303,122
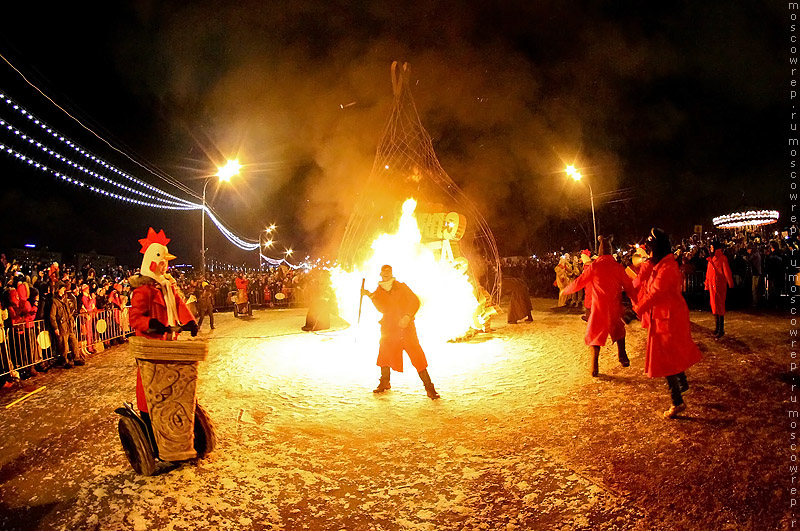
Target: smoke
x,y
510,94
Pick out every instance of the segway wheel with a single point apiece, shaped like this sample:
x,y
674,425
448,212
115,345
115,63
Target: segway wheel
x,y
249,310
235,310
137,447
205,435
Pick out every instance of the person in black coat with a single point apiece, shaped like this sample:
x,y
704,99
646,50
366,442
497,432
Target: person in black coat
x,y
520,304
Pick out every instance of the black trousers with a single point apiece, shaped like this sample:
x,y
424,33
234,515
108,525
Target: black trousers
x,y
675,382
205,310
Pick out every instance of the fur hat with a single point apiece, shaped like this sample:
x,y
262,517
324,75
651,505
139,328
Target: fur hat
x,y
604,246
658,244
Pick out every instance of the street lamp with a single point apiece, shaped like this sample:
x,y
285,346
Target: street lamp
x,y
264,245
576,175
224,173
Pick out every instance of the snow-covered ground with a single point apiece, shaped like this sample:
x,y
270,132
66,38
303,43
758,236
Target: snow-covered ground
x,y
522,438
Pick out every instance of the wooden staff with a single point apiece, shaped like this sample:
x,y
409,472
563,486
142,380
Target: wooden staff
x,y
360,300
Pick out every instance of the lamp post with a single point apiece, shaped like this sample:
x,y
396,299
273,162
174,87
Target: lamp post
x,y
224,173
576,175
262,247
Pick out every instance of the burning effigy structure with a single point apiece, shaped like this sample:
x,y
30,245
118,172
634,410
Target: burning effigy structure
x,y
412,215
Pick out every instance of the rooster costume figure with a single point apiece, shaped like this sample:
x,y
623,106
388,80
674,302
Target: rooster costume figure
x,y
157,312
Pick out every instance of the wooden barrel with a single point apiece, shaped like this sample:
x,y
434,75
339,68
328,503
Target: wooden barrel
x,y
169,376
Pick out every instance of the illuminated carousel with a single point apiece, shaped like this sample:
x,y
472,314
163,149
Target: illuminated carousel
x,y
749,222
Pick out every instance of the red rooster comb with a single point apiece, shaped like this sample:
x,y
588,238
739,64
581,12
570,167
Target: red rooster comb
x,y
153,237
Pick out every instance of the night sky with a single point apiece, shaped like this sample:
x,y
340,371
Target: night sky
x,y
675,111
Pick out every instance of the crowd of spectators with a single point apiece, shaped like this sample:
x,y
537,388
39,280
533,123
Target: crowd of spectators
x,y
28,289
277,286
761,268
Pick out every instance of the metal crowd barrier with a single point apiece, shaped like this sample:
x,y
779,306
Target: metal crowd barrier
x,y
24,345
97,327
694,284
27,344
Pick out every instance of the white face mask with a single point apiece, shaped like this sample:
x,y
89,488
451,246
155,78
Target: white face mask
x,y
387,284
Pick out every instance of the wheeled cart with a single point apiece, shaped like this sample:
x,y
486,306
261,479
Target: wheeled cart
x,y
241,303
176,428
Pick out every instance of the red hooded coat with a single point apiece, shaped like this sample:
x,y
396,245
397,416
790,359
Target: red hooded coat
x,y
670,348
604,279
718,280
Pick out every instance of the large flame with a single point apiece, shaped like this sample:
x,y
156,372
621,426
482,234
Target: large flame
x,y
449,304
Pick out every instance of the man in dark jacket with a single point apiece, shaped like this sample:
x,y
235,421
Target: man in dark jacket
x,y
398,304
205,304
62,319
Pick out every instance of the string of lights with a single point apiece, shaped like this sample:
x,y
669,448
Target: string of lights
x,y
241,243
162,203
77,182
166,178
75,173
44,127
277,262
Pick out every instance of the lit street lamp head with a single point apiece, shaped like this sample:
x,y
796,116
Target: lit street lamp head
x,y
572,172
229,170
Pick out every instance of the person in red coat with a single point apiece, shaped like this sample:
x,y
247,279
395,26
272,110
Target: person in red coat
x,y
670,349
398,304
604,279
718,280
241,286
157,312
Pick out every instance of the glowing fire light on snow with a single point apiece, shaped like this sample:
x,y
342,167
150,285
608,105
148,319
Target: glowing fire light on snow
x,y
447,296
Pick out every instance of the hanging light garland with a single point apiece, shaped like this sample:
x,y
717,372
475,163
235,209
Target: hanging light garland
x,y
45,150
75,173
78,149
277,262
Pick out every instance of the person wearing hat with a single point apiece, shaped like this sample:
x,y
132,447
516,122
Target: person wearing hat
x,y
398,305
670,350
605,279
718,279
205,303
562,269
62,321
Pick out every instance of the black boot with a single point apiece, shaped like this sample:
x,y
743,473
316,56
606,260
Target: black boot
x,y
594,360
683,383
716,325
384,384
622,354
429,389
721,331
